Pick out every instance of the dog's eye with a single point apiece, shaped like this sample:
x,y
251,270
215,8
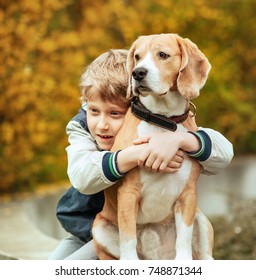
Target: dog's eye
x,y
163,55
137,57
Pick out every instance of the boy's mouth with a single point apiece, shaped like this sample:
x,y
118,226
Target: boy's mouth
x,y
105,136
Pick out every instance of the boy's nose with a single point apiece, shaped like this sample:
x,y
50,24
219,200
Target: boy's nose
x,y
103,123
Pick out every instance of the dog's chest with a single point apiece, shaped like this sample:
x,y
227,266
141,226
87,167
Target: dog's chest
x,y
160,190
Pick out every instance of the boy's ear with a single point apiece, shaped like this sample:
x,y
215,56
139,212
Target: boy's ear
x,y
129,67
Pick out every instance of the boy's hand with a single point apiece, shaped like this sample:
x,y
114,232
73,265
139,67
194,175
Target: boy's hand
x,y
162,153
175,164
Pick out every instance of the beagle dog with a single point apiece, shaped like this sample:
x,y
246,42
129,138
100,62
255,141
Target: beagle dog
x,y
150,215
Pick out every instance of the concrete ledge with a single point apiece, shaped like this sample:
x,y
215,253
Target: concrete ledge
x,y
20,236
20,239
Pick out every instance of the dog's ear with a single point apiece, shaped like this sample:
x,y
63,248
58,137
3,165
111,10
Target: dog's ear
x,y
130,67
194,69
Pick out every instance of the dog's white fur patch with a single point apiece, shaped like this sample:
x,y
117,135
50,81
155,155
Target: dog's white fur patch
x,y
184,239
128,249
153,75
161,189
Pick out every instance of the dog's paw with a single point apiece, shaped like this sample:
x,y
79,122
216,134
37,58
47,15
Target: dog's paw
x,y
206,257
129,256
183,256
128,250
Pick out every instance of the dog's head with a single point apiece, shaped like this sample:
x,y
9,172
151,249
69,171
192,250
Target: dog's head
x,y
166,62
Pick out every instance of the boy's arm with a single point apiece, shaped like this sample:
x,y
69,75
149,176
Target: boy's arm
x,y
220,153
209,147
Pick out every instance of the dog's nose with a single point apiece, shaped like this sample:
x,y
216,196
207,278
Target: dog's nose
x,y
139,73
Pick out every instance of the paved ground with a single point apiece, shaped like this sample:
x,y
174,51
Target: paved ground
x,y
20,237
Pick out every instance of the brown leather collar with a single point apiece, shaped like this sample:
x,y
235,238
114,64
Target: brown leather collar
x,y
143,113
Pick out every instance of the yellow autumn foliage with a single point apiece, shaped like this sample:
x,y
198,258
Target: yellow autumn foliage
x,y
45,45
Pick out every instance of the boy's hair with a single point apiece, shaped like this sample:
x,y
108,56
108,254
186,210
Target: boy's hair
x,y
107,76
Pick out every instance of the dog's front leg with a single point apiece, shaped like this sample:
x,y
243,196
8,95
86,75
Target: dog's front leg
x,y
184,221
128,201
185,210
205,235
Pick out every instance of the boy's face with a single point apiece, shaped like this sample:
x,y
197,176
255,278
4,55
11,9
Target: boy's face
x,y
104,120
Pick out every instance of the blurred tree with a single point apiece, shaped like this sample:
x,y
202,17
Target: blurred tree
x,y
38,65
44,46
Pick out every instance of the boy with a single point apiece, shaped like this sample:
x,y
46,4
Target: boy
x,y
92,168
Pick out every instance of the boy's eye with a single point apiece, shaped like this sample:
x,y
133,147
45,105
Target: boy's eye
x,y
115,113
93,110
